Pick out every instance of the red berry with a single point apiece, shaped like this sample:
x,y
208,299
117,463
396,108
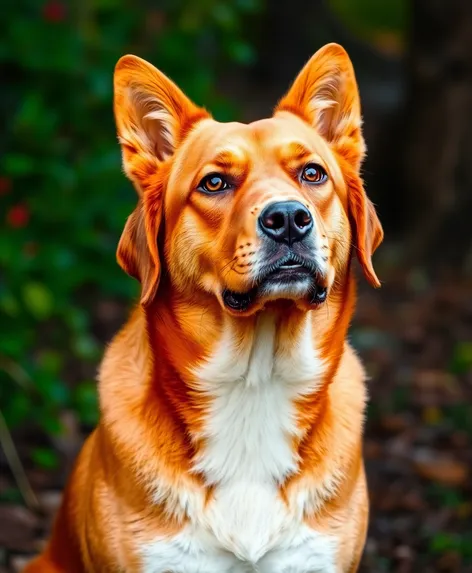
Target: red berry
x,y
18,216
5,185
54,11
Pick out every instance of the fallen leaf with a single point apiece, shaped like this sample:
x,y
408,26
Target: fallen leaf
x,y
394,423
442,470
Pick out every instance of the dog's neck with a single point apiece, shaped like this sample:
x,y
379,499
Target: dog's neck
x,y
204,399
201,351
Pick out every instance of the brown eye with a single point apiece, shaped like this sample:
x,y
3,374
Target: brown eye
x,y
314,174
213,183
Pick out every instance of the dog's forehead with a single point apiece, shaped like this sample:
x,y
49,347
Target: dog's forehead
x,y
283,127
260,143
262,136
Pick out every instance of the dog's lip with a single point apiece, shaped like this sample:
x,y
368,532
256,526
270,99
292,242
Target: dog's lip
x,y
239,301
289,262
291,265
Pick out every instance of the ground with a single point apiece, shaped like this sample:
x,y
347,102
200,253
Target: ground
x,y
415,337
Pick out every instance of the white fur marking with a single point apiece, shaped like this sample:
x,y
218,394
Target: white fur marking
x,y
247,527
302,550
252,416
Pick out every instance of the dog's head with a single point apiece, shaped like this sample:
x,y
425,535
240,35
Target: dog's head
x,y
248,213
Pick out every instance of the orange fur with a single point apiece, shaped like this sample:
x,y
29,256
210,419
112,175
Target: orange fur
x,y
185,247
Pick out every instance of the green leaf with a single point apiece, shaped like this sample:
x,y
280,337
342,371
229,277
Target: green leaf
x,y
249,5
11,495
369,14
242,53
225,16
86,347
9,304
18,406
86,402
442,542
50,361
15,164
52,425
461,361
45,458
38,299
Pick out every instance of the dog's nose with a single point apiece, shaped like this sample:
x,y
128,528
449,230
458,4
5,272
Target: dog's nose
x,y
286,221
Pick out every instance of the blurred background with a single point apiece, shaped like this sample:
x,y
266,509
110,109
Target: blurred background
x,y
64,201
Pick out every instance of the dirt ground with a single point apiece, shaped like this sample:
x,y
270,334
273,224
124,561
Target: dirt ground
x,y
415,336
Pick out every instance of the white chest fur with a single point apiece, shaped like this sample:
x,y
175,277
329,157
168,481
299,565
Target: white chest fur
x,y
251,421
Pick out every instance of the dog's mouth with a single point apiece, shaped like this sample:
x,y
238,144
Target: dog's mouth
x,y
290,277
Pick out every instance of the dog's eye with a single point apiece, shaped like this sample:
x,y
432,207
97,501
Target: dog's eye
x,y
314,174
213,183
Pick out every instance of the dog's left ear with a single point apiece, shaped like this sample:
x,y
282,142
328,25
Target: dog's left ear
x,y
367,230
326,96
153,116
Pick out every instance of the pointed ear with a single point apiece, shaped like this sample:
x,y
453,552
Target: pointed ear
x,y
325,95
367,230
153,117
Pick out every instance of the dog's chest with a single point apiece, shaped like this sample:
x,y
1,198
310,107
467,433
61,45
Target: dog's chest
x,y
247,527
270,541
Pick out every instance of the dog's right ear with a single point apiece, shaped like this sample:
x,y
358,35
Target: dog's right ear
x,y
325,95
152,116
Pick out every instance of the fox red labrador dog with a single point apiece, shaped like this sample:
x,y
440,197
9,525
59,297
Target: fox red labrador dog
x,y
232,404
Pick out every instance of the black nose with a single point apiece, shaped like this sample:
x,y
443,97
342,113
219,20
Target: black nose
x,y
286,222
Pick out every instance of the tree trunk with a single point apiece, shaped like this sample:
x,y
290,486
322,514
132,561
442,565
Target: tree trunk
x,y
437,166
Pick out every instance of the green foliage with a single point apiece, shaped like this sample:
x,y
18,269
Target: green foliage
x,y
461,361
444,542
371,14
380,23
63,198
45,457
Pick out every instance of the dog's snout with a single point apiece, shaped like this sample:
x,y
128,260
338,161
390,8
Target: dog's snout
x,y
286,221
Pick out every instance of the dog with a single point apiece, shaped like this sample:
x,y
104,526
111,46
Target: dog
x,y
232,405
